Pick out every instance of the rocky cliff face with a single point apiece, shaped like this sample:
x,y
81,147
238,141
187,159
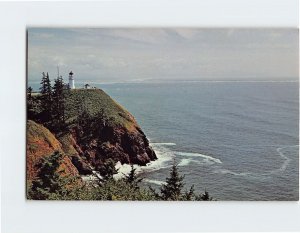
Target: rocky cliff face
x,y
113,134
115,142
40,143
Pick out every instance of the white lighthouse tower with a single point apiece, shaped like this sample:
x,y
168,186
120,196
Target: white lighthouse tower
x,y
71,81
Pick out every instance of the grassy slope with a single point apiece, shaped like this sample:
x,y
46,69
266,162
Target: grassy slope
x,y
93,100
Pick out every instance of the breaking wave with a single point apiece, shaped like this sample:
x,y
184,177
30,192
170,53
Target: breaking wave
x,y
186,162
164,158
205,157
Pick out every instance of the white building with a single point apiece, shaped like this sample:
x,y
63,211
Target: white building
x,y
71,81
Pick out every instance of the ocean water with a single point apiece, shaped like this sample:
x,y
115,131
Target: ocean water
x,y
237,140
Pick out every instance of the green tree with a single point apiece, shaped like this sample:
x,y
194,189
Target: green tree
x,y
172,190
58,112
85,127
204,197
98,124
30,112
29,93
49,182
46,98
189,195
118,190
174,184
45,88
132,178
107,169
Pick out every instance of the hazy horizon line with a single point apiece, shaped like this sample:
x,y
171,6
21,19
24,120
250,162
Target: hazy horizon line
x,y
176,80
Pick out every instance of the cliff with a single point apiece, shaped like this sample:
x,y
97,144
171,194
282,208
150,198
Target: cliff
x,y
97,129
100,128
40,143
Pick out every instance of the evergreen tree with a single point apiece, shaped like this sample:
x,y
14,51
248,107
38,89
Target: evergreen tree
x,y
29,93
172,190
49,184
174,184
46,98
190,194
204,197
85,129
99,121
132,178
107,169
29,103
58,104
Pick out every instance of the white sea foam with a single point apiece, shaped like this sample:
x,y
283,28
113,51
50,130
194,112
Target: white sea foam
x,y
123,169
163,144
185,162
282,168
226,171
158,182
164,158
206,157
286,159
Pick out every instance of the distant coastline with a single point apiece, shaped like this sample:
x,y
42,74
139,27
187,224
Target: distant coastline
x,y
35,84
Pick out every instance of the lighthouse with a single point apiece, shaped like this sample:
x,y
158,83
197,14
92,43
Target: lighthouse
x,y
71,81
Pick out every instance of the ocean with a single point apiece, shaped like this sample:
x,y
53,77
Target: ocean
x,y
236,140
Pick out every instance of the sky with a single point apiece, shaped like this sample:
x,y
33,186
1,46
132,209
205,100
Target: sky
x,y
108,55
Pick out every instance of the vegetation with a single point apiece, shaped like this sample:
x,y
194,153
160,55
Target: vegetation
x,y
29,93
132,179
51,185
174,184
172,190
46,102
107,169
48,108
90,101
90,113
118,190
90,126
58,106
